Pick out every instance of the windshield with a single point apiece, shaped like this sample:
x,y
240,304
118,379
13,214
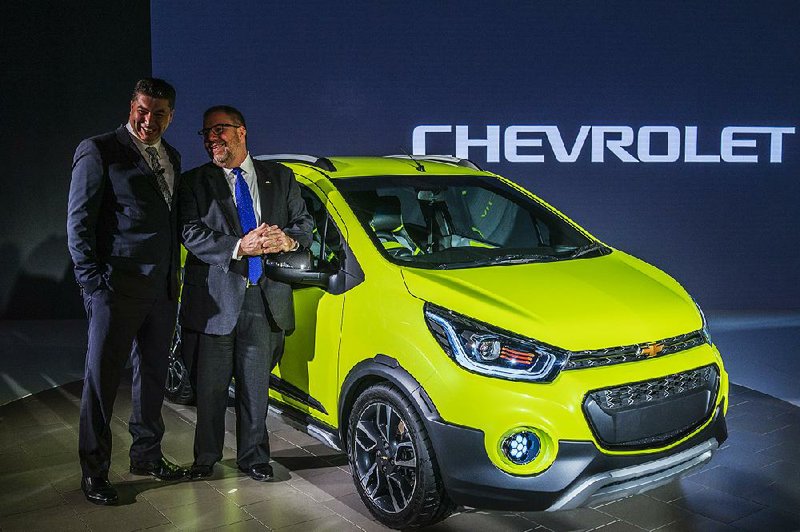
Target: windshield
x,y
461,221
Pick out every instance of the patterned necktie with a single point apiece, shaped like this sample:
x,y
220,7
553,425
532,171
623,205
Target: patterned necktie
x,y
158,170
247,217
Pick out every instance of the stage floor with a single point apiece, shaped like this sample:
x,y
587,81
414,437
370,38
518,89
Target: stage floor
x,y
753,483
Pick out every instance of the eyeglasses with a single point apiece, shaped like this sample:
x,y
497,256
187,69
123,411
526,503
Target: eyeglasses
x,y
217,129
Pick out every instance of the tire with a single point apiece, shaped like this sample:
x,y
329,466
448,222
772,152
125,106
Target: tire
x,y
392,460
178,386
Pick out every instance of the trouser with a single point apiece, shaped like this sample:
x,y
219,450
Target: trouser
x,y
123,327
246,354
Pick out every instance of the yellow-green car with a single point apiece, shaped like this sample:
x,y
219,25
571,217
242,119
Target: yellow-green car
x,y
467,344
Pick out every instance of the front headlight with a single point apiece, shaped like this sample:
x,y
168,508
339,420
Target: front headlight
x,y
483,349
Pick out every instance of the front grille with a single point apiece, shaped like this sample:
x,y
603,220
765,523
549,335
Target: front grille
x,y
654,412
630,353
644,392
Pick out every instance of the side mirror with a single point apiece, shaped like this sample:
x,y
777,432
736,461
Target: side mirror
x,y
294,267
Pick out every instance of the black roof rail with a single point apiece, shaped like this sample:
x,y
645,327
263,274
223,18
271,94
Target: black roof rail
x,y
466,163
320,162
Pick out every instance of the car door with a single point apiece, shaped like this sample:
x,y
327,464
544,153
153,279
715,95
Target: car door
x,y
306,377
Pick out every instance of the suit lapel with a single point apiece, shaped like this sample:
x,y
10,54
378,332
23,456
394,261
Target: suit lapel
x,y
175,160
222,193
136,156
265,193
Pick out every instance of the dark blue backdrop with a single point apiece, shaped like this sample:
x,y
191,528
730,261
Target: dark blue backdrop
x,y
322,78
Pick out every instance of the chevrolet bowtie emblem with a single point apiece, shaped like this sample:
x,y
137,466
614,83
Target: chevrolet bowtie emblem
x,y
651,350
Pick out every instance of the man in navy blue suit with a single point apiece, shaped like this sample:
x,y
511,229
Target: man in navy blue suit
x,y
123,239
235,209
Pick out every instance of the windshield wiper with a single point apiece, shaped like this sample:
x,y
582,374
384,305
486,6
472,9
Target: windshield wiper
x,y
520,258
511,258
586,249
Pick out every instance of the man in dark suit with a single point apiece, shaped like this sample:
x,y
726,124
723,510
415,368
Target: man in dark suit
x,y
233,210
123,239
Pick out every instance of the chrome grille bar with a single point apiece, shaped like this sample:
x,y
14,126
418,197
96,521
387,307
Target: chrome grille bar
x,y
631,353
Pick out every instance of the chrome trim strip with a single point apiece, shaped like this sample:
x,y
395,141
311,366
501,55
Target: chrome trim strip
x,y
631,353
304,423
636,479
299,157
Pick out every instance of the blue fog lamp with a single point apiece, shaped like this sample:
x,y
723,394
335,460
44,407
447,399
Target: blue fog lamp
x,y
521,447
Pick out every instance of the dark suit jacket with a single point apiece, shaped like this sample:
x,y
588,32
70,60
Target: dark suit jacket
x,y
122,236
214,283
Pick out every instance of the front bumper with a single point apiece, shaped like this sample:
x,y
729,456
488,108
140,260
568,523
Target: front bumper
x,y
581,474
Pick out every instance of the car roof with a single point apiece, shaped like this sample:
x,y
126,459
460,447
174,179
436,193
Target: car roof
x,y
338,167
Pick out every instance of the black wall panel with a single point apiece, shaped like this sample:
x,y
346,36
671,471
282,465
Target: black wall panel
x,y
67,70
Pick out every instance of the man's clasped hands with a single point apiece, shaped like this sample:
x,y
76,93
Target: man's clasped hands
x,y
265,239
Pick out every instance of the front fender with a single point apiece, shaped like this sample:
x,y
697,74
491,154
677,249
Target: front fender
x,y
382,368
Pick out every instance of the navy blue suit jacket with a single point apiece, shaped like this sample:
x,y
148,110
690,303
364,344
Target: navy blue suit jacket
x,y
122,235
214,282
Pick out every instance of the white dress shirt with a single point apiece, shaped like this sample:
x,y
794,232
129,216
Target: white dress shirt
x,y
163,157
249,175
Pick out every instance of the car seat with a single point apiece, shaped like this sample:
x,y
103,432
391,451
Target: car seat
x,y
387,222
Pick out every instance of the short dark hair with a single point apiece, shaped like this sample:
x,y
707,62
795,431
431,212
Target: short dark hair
x,y
155,88
227,109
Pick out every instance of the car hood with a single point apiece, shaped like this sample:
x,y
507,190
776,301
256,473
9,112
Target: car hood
x,y
578,304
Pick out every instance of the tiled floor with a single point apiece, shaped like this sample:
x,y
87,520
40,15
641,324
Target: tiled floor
x,y
752,484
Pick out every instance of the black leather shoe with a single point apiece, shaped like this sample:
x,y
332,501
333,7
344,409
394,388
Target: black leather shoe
x,y
258,472
201,471
98,490
162,470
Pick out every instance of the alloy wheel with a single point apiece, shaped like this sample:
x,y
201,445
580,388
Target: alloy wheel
x,y
385,457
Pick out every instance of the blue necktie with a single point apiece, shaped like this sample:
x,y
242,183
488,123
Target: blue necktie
x,y
247,217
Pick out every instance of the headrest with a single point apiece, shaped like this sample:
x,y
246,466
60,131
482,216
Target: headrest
x,y
387,215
